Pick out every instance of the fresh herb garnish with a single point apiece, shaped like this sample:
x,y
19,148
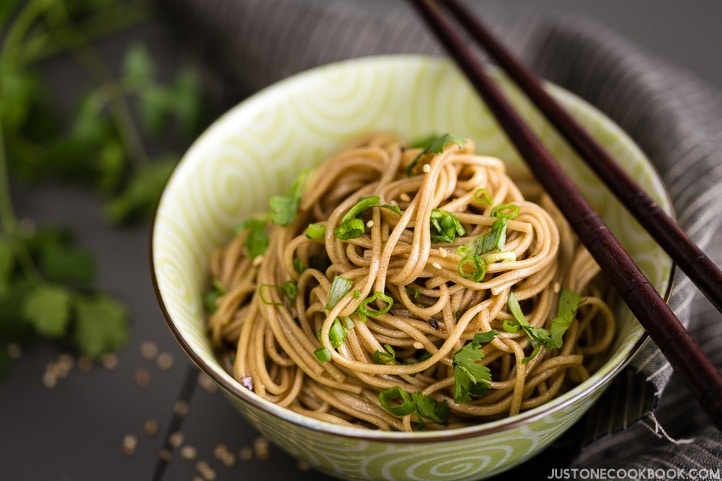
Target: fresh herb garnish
x,y
435,145
387,356
401,403
315,231
257,239
364,310
470,378
567,306
340,286
537,335
445,227
352,225
284,207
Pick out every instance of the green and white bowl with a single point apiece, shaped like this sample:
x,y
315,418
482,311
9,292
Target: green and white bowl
x,y
257,149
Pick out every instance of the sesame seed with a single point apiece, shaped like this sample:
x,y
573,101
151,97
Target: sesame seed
x,y
443,252
149,349
261,448
189,452
180,408
142,377
207,383
436,265
418,345
257,261
245,454
176,439
85,364
205,470
165,455
426,168
404,197
370,224
165,360
109,361
130,442
150,427
222,453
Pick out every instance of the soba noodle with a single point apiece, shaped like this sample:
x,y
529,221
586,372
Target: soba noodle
x,y
409,289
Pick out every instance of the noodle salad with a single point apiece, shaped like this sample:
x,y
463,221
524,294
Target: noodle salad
x,y
404,287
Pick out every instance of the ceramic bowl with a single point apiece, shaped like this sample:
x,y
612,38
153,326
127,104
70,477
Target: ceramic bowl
x,y
259,147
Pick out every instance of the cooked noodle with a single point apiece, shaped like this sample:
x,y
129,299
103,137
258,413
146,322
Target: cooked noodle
x,y
411,303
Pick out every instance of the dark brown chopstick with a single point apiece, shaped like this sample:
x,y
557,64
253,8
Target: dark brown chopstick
x,y
664,328
700,269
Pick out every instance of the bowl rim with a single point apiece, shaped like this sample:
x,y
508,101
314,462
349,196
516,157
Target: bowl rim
x,y
234,388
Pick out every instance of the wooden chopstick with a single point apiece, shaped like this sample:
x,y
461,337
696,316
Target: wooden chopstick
x,y
700,269
664,328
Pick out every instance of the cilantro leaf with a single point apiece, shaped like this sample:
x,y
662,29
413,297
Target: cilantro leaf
x,y
401,403
100,326
537,335
138,69
47,308
435,145
140,197
257,240
471,379
567,306
284,207
430,408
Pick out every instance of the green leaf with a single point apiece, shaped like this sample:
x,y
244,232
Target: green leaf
x,y
397,401
138,70
445,227
101,325
351,225
471,379
257,240
567,306
47,308
430,408
187,100
387,356
284,207
140,197
154,108
537,335
435,145
340,286
364,310
65,263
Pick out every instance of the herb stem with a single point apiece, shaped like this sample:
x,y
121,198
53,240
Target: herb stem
x,y
7,216
78,44
119,17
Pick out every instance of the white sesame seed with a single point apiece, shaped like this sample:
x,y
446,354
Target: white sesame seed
x,y
165,360
370,224
245,454
443,252
130,442
180,408
109,361
189,452
149,349
404,197
206,471
436,265
426,168
15,350
418,345
176,439
150,428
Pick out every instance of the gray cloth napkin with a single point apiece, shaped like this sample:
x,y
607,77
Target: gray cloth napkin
x,y
647,420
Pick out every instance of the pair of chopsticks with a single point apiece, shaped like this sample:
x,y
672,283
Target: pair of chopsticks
x,y
684,354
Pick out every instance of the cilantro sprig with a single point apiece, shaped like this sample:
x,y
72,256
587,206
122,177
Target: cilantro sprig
x,y
47,282
470,378
399,402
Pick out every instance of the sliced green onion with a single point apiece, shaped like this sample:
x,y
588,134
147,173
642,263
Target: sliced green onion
x,y
478,265
387,356
340,286
445,227
337,334
315,231
322,354
365,311
505,211
352,229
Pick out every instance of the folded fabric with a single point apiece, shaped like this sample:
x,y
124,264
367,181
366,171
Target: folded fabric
x,y
647,419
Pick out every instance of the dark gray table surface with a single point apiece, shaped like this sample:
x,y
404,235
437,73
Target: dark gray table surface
x,y
75,430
